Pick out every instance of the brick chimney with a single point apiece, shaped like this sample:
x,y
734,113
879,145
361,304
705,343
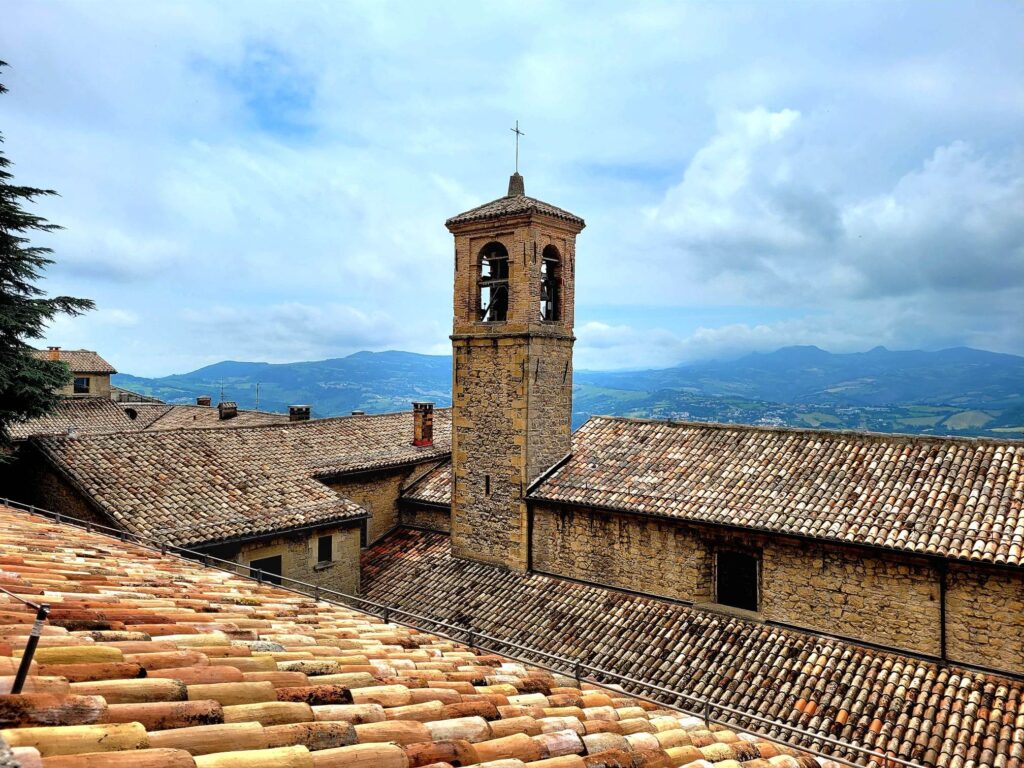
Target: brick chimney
x,y
227,410
205,400
422,423
298,413
53,353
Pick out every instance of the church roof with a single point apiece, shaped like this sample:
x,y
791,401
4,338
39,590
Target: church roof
x,y
79,360
193,486
515,203
950,497
916,709
151,659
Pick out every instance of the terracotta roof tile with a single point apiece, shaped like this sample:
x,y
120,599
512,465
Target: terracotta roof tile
x,y
514,204
79,360
151,660
193,486
952,497
160,416
432,487
86,415
915,709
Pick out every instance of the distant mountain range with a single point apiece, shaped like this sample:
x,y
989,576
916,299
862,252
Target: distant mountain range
x,y
959,391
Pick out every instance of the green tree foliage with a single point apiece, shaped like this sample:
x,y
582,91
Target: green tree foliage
x,y
28,385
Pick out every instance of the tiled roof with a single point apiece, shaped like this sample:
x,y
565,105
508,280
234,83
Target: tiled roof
x,y
196,486
951,497
515,203
87,415
432,487
151,660
160,416
79,360
913,709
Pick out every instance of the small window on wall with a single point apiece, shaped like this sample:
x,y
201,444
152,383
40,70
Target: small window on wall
x,y
81,385
325,549
270,566
736,579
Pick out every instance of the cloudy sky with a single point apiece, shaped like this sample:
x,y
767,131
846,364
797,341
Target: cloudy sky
x,y
269,181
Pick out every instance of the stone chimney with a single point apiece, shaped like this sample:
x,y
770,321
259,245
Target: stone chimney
x,y
298,413
53,353
205,400
423,424
227,410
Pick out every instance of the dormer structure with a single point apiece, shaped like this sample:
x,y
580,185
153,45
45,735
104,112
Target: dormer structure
x,y
512,365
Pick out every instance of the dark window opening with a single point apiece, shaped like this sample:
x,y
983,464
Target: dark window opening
x,y
364,534
81,385
493,283
270,566
550,284
736,580
325,549
487,485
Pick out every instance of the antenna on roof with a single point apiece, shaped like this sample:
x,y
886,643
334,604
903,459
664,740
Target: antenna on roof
x,y
257,395
222,391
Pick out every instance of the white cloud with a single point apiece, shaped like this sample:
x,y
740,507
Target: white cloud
x,y
242,160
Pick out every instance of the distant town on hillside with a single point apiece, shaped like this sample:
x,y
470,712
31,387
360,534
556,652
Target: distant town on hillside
x,y
959,391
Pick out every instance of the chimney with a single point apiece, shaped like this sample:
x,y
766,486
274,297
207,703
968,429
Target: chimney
x,y
423,424
227,410
298,413
53,353
205,400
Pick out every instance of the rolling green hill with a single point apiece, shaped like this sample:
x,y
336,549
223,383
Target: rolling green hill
x,y
959,391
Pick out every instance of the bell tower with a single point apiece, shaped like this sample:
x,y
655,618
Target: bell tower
x,y
512,340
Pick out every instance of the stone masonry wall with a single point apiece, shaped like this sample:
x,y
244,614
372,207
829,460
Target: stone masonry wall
x,y
891,600
549,410
985,611
488,451
423,516
298,553
512,387
378,494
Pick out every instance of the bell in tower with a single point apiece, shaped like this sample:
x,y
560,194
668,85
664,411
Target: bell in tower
x,y
512,365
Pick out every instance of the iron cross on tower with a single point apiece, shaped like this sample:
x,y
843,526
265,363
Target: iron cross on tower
x,y
518,133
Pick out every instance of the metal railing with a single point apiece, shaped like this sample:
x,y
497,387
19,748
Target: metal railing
x,y
709,711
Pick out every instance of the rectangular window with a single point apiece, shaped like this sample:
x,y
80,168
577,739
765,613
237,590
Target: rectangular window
x,y
736,579
270,566
487,485
81,385
325,549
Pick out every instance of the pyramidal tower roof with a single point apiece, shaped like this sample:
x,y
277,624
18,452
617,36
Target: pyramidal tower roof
x,y
513,204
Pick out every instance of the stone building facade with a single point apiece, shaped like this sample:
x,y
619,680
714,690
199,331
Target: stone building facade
x,y
90,373
511,366
888,599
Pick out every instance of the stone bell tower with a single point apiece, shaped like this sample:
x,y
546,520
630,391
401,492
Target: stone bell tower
x,y
512,342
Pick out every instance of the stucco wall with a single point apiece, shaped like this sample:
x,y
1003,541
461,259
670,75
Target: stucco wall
x,y
99,386
891,600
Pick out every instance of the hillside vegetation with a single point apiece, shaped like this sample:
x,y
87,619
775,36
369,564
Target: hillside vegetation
x,y
959,391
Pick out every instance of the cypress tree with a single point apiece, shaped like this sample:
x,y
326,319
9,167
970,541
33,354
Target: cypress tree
x,y
28,385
